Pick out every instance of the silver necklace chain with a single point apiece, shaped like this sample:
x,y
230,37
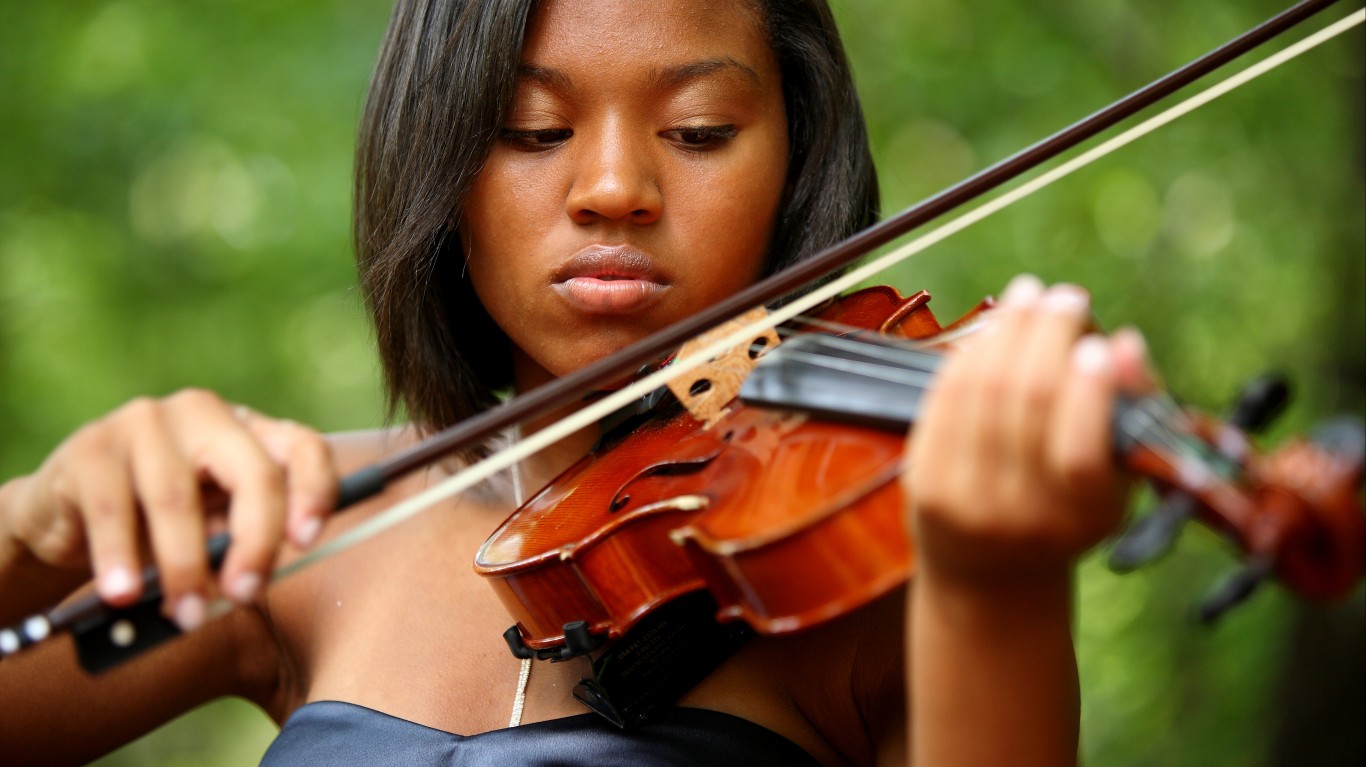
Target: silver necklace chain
x,y
524,676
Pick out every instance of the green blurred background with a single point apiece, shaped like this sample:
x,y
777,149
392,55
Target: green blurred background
x,y
174,212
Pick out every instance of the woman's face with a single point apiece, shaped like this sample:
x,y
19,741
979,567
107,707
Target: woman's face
x,y
636,180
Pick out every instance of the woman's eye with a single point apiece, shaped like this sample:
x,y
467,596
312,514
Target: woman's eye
x,y
536,140
702,136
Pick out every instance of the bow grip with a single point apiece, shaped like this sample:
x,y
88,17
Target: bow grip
x,y
104,641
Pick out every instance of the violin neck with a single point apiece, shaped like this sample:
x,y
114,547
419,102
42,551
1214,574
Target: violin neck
x,y
881,382
868,379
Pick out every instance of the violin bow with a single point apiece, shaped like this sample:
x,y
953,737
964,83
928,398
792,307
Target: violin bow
x,y
106,636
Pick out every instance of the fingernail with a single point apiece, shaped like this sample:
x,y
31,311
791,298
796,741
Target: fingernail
x,y
1022,288
306,531
189,612
1067,299
244,588
1132,338
117,582
1091,355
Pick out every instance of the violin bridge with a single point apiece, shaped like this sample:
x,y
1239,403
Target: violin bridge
x,y
707,389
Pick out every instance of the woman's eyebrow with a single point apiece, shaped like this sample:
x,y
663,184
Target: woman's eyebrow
x,y
671,77
551,78
664,78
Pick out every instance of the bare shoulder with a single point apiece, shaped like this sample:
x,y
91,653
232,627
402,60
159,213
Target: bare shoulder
x,y
353,450
329,618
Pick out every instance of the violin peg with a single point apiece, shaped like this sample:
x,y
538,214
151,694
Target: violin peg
x,y
1234,589
1260,401
1150,537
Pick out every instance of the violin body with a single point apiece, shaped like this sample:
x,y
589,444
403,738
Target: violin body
x,y
787,520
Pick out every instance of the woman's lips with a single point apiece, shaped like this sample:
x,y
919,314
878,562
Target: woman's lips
x,y
610,280
610,296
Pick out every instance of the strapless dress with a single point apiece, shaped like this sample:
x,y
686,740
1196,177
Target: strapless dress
x,y
337,734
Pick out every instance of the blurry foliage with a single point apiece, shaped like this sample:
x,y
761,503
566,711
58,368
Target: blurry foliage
x,y
174,192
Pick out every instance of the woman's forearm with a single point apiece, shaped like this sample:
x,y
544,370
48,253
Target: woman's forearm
x,y
993,675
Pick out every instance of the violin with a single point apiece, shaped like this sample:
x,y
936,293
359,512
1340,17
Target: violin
x,y
782,504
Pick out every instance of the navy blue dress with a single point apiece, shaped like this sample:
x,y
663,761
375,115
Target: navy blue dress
x,y
335,734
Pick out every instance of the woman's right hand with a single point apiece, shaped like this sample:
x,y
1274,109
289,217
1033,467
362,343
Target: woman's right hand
x,y
148,484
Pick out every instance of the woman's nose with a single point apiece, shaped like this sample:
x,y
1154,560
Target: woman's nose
x,y
614,180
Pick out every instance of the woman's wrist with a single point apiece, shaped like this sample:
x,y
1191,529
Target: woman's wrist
x,y
993,655
994,600
12,551
27,584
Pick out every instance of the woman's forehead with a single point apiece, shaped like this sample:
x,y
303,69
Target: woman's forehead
x,y
662,35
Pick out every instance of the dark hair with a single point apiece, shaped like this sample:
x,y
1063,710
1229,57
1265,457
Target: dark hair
x,y
445,76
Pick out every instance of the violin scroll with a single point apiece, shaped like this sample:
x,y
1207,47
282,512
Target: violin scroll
x,y
1296,512
1311,529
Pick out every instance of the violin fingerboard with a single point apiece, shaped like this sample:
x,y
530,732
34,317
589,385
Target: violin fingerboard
x,y
845,380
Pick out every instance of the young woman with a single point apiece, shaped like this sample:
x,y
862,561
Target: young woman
x,y
537,185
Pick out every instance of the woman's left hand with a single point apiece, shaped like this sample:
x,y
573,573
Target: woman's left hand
x,y
1011,479
1012,463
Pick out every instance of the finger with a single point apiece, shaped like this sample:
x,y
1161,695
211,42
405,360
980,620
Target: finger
x,y
1133,369
955,435
936,436
313,486
104,498
1038,365
988,376
227,454
1022,290
167,486
309,469
256,510
1080,448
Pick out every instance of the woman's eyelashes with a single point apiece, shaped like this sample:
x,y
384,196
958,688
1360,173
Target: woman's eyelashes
x,y
695,138
701,137
536,140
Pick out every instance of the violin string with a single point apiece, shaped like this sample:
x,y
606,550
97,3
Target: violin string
x,y
1166,416
1155,421
1142,426
590,414
840,330
1149,427
909,377
890,350
894,364
887,355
